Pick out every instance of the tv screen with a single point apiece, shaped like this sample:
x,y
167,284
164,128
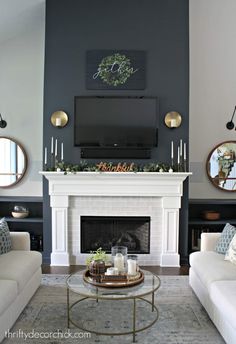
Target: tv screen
x,y
116,122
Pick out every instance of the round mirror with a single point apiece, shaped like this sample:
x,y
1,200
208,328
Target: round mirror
x,y
13,162
221,166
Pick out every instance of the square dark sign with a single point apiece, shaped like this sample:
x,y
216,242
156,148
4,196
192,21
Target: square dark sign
x,y
115,70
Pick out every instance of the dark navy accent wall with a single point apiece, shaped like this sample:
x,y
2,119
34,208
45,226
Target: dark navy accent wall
x,y
159,27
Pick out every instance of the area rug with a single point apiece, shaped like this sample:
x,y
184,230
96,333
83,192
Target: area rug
x,y
182,319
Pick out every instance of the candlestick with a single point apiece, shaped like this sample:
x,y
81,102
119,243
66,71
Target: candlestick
x,y
119,262
172,150
185,158
56,148
62,152
181,148
52,161
52,145
45,156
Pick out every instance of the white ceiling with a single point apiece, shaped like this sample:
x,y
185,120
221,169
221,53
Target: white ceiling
x,y
17,16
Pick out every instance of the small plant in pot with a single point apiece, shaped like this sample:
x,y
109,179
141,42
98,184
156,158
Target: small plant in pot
x,y
96,263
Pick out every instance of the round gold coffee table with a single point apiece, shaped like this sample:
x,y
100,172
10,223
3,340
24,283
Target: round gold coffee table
x,y
77,285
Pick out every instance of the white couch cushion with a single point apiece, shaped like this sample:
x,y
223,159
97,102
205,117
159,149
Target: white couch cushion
x,y
211,266
223,295
8,291
19,266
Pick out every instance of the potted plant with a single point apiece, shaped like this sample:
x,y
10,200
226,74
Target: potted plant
x,y
96,263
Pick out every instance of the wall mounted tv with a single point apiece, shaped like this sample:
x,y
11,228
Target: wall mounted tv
x,y
115,125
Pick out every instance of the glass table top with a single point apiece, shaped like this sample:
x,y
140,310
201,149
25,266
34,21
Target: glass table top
x,y
76,283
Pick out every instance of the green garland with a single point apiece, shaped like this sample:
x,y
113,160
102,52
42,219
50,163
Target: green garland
x,y
84,166
117,78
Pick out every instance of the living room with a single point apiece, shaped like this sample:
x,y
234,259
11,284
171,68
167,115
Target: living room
x,y
160,171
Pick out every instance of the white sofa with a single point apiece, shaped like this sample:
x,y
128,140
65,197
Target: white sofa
x,y
20,276
214,282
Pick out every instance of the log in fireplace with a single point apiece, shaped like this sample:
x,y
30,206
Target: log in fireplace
x,y
107,231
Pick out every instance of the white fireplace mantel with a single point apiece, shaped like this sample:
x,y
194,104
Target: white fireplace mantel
x,y
167,186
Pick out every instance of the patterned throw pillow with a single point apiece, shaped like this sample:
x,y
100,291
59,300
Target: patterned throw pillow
x,y
231,252
5,239
223,242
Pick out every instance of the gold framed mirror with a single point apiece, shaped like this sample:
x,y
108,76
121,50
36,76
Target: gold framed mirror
x,y
221,166
13,162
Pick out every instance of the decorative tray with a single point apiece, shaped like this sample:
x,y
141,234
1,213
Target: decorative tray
x,y
126,281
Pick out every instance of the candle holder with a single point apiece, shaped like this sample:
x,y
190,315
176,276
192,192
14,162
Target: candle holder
x,y
132,264
119,258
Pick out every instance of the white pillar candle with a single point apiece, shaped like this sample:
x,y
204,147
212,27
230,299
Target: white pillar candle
x,y
173,123
119,262
56,147
184,151
172,150
132,266
178,156
181,148
45,156
58,122
52,145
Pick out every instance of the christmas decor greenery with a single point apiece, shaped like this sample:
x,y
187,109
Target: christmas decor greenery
x,y
84,166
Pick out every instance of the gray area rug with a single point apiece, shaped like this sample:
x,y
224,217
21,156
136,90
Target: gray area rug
x,y
182,319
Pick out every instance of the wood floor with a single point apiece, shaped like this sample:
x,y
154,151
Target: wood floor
x,y
183,270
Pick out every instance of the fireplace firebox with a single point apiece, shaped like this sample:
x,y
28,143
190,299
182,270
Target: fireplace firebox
x,y
107,231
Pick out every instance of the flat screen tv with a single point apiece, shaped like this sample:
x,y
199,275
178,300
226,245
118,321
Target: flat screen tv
x,y
117,122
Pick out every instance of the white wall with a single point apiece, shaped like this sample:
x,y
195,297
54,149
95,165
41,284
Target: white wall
x,y
212,86
21,95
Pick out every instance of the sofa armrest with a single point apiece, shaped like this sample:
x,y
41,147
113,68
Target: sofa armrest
x,y
20,241
208,241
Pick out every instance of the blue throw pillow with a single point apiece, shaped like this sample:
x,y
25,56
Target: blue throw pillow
x,y
5,239
223,242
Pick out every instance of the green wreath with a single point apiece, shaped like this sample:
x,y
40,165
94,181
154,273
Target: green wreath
x,y
117,77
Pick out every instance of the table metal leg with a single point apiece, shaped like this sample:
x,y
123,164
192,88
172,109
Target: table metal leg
x,y
134,320
153,294
152,302
68,309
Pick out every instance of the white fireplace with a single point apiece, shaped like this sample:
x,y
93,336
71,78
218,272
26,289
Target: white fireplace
x,y
157,195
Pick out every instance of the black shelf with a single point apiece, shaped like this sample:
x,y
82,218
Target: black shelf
x,y
20,199
197,224
210,202
27,219
210,222
32,224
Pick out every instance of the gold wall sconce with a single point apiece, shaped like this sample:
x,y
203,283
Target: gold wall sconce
x,y
59,119
173,119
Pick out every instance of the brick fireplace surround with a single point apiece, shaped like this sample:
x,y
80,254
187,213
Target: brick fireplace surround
x,y
157,195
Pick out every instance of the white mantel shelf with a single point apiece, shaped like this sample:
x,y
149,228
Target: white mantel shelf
x,y
150,184
163,185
